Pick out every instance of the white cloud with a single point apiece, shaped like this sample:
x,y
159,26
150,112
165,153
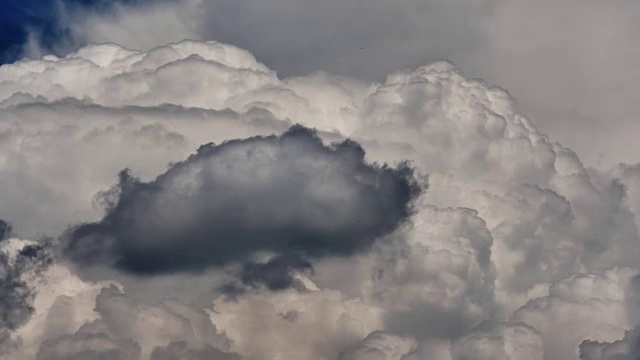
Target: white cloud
x,y
508,221
585,306
572,65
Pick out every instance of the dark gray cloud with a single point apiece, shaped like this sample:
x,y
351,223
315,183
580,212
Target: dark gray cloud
x,y
16,296
628,348
288,193
276,274
5,230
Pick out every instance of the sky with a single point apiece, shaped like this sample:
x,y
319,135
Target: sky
x,y
336,180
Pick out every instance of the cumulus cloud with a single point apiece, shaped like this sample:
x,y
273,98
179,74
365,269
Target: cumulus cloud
x,y
575,78
440,282
311,324
19,263
277,273
585,306
66,180
379,345
506,341
277,242
282,194
177,350
626,348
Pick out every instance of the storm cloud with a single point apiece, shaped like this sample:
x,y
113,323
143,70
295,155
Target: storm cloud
x,y
276,274
288,193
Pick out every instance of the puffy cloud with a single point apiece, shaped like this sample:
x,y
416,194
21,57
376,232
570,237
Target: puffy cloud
x,y
127,318
625,349
455,124
577,82
74,319
62,304
68,181
276,273
177,350
142,136
279,194
311,324
585,306
508,342
380,346
514,229
67,318
439,283
20,262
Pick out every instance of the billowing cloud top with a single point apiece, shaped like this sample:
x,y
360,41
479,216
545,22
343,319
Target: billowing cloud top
x,y
278,241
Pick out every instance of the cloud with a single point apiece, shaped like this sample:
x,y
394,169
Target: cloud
x,y
89,346
73,319
508,342
289,193
314,324
626,348
576,81
276,274
67,178
77,319
122,332
585,306
440,282
517,248
18,263
66,181
128,318
380,346
177,350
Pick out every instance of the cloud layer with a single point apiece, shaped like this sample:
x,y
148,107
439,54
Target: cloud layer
x,y
265,240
